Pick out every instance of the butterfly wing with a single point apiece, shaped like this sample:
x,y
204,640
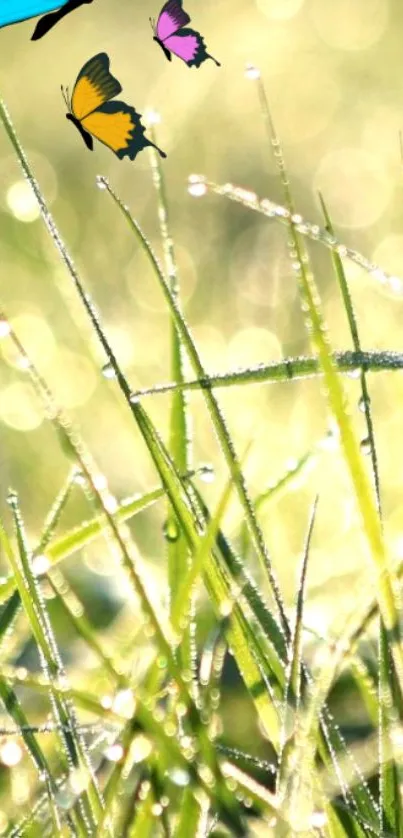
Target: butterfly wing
x,y
13,11
118,126
172,17
95,85
188,45
49,21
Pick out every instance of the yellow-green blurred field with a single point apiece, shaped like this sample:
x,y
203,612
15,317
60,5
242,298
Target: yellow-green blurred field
x,y
334,87
334,81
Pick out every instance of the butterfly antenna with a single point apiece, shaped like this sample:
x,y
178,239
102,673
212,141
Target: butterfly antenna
x,y
152,22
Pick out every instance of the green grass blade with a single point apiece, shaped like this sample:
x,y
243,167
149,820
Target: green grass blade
x,y
180,436
214,409
365,498
390,799
282,215
189,817
289,369
292,693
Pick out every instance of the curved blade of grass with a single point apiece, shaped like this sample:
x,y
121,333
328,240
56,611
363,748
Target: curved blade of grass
x,y
337,404
285,214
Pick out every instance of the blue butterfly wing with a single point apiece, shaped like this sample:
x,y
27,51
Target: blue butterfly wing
x,y
12,11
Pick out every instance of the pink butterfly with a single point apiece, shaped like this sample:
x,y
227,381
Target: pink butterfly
x,y
170,35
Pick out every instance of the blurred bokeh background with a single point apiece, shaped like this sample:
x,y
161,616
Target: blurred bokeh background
x,y
333,76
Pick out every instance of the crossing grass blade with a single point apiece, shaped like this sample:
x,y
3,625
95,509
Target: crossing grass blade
x,y
286,370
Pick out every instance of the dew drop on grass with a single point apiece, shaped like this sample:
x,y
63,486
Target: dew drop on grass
x,y
362,402
114,753
80,478
162,662
12,498
108,371
5,328
156,809
197,186
207,474
354,373
171,530
40,565
252,72
365,445
179,777
134,398
101,182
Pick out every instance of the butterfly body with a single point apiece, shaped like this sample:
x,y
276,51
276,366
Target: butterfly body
x,y
174,36
89,142
166,52
115,124
15,11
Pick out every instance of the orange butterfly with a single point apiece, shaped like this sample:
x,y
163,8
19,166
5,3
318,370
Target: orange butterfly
x,y
115,124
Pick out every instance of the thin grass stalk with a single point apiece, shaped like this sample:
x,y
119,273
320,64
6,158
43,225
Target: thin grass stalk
x,y
292,692
180,435
285,215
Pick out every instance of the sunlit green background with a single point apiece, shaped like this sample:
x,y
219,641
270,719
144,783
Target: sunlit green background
x,y
334,80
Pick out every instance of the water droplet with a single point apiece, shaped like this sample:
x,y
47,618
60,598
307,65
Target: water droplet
x,y
171,530
134,398
12,498
354,373
40,564
114,752
318,820
207,474
80,478
365,445
252,72
152,117
156,809
362,403
108,371
179,776
5,328
101,182
197,186
10,753
162,662
124,703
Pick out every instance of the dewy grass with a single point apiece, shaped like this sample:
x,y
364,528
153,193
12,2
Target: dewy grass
x,y
166,766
